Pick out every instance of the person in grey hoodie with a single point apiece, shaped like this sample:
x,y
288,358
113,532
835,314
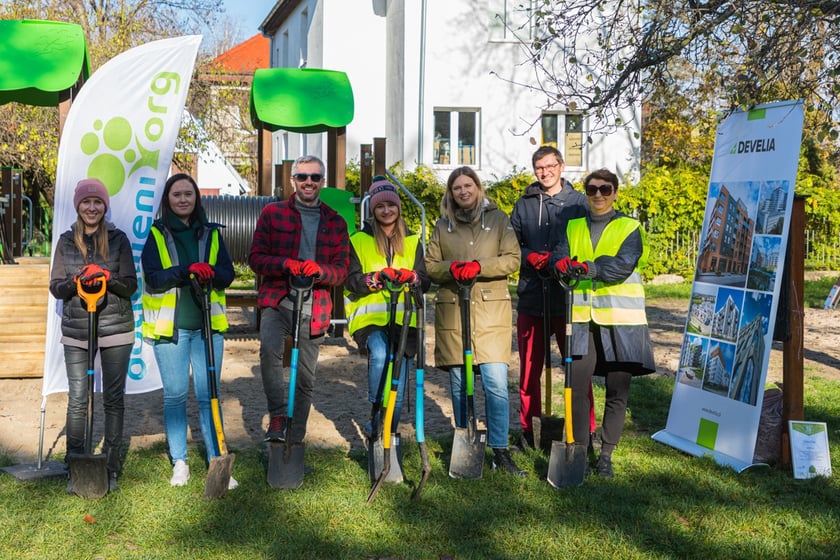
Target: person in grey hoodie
x,y
538,218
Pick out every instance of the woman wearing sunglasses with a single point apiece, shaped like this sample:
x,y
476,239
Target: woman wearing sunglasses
x,y
603,252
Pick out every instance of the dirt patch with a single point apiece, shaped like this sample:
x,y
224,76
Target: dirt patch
x,y
340,402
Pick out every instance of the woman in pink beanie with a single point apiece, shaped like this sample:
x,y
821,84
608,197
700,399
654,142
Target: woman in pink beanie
x,y
93,250
383,252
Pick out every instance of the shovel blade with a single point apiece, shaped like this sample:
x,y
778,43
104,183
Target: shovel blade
x,y
467,459
285,465
546,430
47,469
89,474
376,454
218,476
567,464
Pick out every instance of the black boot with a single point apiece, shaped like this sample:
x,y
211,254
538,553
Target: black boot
x,y
604,466
112,482
502,460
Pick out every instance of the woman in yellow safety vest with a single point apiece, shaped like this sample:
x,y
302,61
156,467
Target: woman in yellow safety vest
x,y
383,252
604,251
182,244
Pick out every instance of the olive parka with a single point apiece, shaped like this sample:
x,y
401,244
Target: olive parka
x,y
491,241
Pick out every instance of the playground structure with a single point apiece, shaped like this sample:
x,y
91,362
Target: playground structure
x,y
48,64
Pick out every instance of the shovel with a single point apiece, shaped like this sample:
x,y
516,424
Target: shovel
x,y
419,374
89,472
547,428
221,466
567,462
387,440
468,445
375,440
285,459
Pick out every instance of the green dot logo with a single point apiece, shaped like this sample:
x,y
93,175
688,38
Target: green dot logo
x,y
114,156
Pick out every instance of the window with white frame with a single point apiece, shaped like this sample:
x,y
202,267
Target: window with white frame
x,y
456,136
510,20
564,131
304,39
283,60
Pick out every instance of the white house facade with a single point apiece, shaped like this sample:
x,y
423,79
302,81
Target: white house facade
x,y
444,81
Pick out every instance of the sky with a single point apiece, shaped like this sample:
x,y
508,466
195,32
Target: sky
x,y
248,14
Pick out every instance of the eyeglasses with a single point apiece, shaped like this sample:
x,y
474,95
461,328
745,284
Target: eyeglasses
x,y
605,190
301,177
545,168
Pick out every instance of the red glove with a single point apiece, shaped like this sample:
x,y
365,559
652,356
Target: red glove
x,y
84,271
92,275
580,268
293,266
310,269
464,271
538,259
407,276
389,274
203,271
564,266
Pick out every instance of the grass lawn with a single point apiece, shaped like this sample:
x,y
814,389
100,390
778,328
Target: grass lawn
x,y
662,504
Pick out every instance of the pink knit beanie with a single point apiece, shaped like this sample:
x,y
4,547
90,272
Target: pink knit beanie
x,y
90,187
382,191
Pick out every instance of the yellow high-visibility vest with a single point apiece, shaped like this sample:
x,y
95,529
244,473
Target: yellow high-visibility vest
x,y
159,309
605,303
373,308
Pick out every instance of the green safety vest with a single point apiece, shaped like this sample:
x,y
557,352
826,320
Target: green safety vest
x,y
373,308
159,309
606,303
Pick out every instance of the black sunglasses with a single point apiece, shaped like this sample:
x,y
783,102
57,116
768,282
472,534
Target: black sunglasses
x,y
605,190
301,177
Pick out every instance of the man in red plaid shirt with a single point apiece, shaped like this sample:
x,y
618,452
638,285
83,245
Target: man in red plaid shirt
x,y
301,237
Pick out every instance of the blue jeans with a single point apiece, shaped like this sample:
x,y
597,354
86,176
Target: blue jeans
x,y
114,362
496,400
174,361
377,346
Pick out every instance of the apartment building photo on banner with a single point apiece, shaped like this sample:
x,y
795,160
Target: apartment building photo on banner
x,y
719,386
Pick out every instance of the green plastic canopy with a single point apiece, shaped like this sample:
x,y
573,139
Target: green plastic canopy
x,y
304,100
341,201
39,60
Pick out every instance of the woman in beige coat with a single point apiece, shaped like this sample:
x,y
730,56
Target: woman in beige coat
x,y
473,239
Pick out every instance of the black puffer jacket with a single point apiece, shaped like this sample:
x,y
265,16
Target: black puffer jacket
x,y
116,318
538,220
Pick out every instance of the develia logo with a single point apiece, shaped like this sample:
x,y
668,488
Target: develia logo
x,y
753,146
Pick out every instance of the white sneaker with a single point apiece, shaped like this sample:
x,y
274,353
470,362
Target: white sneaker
x,y
232,484
180,474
